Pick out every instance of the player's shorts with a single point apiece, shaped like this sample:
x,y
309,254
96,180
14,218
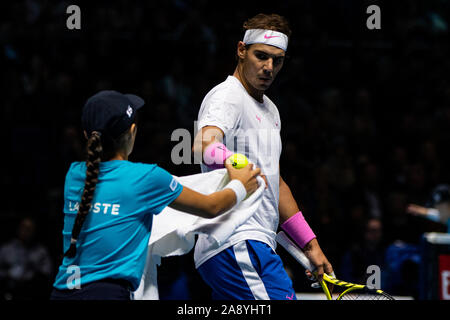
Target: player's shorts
x,y
249,270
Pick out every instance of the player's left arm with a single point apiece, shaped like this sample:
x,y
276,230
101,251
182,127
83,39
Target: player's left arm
x,y
293,222
287,206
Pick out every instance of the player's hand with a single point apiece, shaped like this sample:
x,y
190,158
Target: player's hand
x,y
314,253
246,175
265,180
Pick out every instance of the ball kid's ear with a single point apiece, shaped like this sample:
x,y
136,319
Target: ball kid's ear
x,y
133,128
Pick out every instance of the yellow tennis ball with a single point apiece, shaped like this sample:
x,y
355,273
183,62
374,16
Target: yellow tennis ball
x,y
238,160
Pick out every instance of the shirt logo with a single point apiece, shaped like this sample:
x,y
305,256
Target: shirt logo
x,y
173,184
129,111
73,206
258,118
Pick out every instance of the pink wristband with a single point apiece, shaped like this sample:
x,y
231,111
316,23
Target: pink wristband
x,y
299,230
215,155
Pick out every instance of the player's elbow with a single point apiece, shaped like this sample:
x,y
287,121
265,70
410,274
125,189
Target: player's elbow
x,y
197,151
195,148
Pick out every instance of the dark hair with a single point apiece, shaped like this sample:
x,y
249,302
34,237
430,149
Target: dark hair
x,y
99,148
94,155
269,22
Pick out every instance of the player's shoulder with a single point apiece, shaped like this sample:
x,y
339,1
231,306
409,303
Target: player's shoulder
x,y
229,91
229,84
269,102
271,106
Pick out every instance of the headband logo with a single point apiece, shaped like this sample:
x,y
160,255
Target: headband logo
x,y
264,36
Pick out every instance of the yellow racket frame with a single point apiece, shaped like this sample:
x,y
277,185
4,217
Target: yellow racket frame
x,y
350,286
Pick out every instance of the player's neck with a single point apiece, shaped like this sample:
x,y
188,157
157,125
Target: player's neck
x,y
256,94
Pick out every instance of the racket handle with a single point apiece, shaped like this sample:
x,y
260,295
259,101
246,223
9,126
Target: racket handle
x,y
295,251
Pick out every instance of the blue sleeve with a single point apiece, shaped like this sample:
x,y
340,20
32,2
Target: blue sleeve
x,y
71,198
164,189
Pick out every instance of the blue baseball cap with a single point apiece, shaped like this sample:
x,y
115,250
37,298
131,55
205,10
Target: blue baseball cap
x,y
439,194
110,112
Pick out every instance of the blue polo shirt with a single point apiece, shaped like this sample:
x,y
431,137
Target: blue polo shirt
x,y
114,237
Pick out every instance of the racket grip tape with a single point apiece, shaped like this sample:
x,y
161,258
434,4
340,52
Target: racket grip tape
x,y
295,251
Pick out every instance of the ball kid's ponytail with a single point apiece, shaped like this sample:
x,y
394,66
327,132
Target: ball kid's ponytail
x,y
94,155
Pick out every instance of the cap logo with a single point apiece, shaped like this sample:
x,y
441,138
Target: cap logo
x,y
129,111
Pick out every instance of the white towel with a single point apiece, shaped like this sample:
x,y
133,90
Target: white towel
x,y
173,232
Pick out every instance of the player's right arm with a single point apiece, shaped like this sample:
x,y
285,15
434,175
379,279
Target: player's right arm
x,y
210,206
206,136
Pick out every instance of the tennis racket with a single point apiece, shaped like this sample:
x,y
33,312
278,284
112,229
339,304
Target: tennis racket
x,y
342,290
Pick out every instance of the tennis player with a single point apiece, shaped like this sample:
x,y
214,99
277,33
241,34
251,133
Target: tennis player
x,y
236,116
109,203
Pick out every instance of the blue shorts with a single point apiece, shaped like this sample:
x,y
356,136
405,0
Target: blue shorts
x,y
249,270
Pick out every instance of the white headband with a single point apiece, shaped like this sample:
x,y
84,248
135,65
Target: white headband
x,y
270,37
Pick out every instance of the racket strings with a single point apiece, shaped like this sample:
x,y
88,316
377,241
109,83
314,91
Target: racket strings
x,y
363,296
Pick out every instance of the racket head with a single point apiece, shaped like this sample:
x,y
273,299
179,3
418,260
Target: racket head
x,y
342,290
364,294
351,291
326,290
